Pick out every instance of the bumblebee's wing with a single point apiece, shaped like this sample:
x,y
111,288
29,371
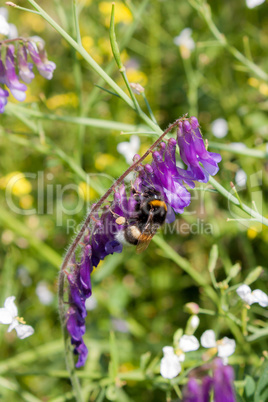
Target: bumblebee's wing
x,y
146,236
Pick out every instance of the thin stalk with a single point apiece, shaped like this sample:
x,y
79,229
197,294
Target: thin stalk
x,y
149,108
117,57
22,9
98,123
127,35
78,84
255,153
235,201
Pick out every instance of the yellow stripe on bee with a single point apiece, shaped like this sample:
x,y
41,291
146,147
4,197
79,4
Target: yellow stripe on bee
x,y
158,203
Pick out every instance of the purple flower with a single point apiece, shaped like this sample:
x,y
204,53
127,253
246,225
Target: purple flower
x,y
221,383
106,235
193,391
193,151
3,99
25,68
39,57
9,77
223,377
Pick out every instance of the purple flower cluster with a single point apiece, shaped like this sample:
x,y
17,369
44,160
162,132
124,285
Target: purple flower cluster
x,y
221,383
17,58
163,176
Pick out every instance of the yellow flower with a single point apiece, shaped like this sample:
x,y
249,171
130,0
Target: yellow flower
x,y
136,76
105,47
87,43
263,89
122,13
104,160
252,233
17,183
33,21
26,201
56,101
253,82
86,192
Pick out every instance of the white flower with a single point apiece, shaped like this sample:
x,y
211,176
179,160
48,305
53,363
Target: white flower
x,y
129,149
188,343
184,39
241,178
170,365
254,3
4,26
249,297
6,29
9,315
44,294
224,346
219,128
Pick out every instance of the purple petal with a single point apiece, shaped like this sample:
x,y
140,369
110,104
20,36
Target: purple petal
x,y
25,68
11,80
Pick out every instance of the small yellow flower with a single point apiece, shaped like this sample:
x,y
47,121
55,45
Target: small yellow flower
x,y
26,201
122,13
33,21
252,233
87,43
136,76
86,192
253,82
17,183
104,160
68,99
263,88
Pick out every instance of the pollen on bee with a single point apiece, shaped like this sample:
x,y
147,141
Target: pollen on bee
x,y
120,220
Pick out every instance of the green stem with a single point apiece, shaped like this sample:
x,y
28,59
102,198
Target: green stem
x,y
21,112
117,57
79,84
235,201
255,153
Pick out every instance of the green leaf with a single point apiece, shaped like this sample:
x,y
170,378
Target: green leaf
x,y
113,366
144,360
239,398
261,393
249,387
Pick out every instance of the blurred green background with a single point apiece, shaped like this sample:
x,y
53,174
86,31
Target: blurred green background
x,y
140,297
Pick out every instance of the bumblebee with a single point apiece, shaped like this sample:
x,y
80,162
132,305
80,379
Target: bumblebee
x,y
151,211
